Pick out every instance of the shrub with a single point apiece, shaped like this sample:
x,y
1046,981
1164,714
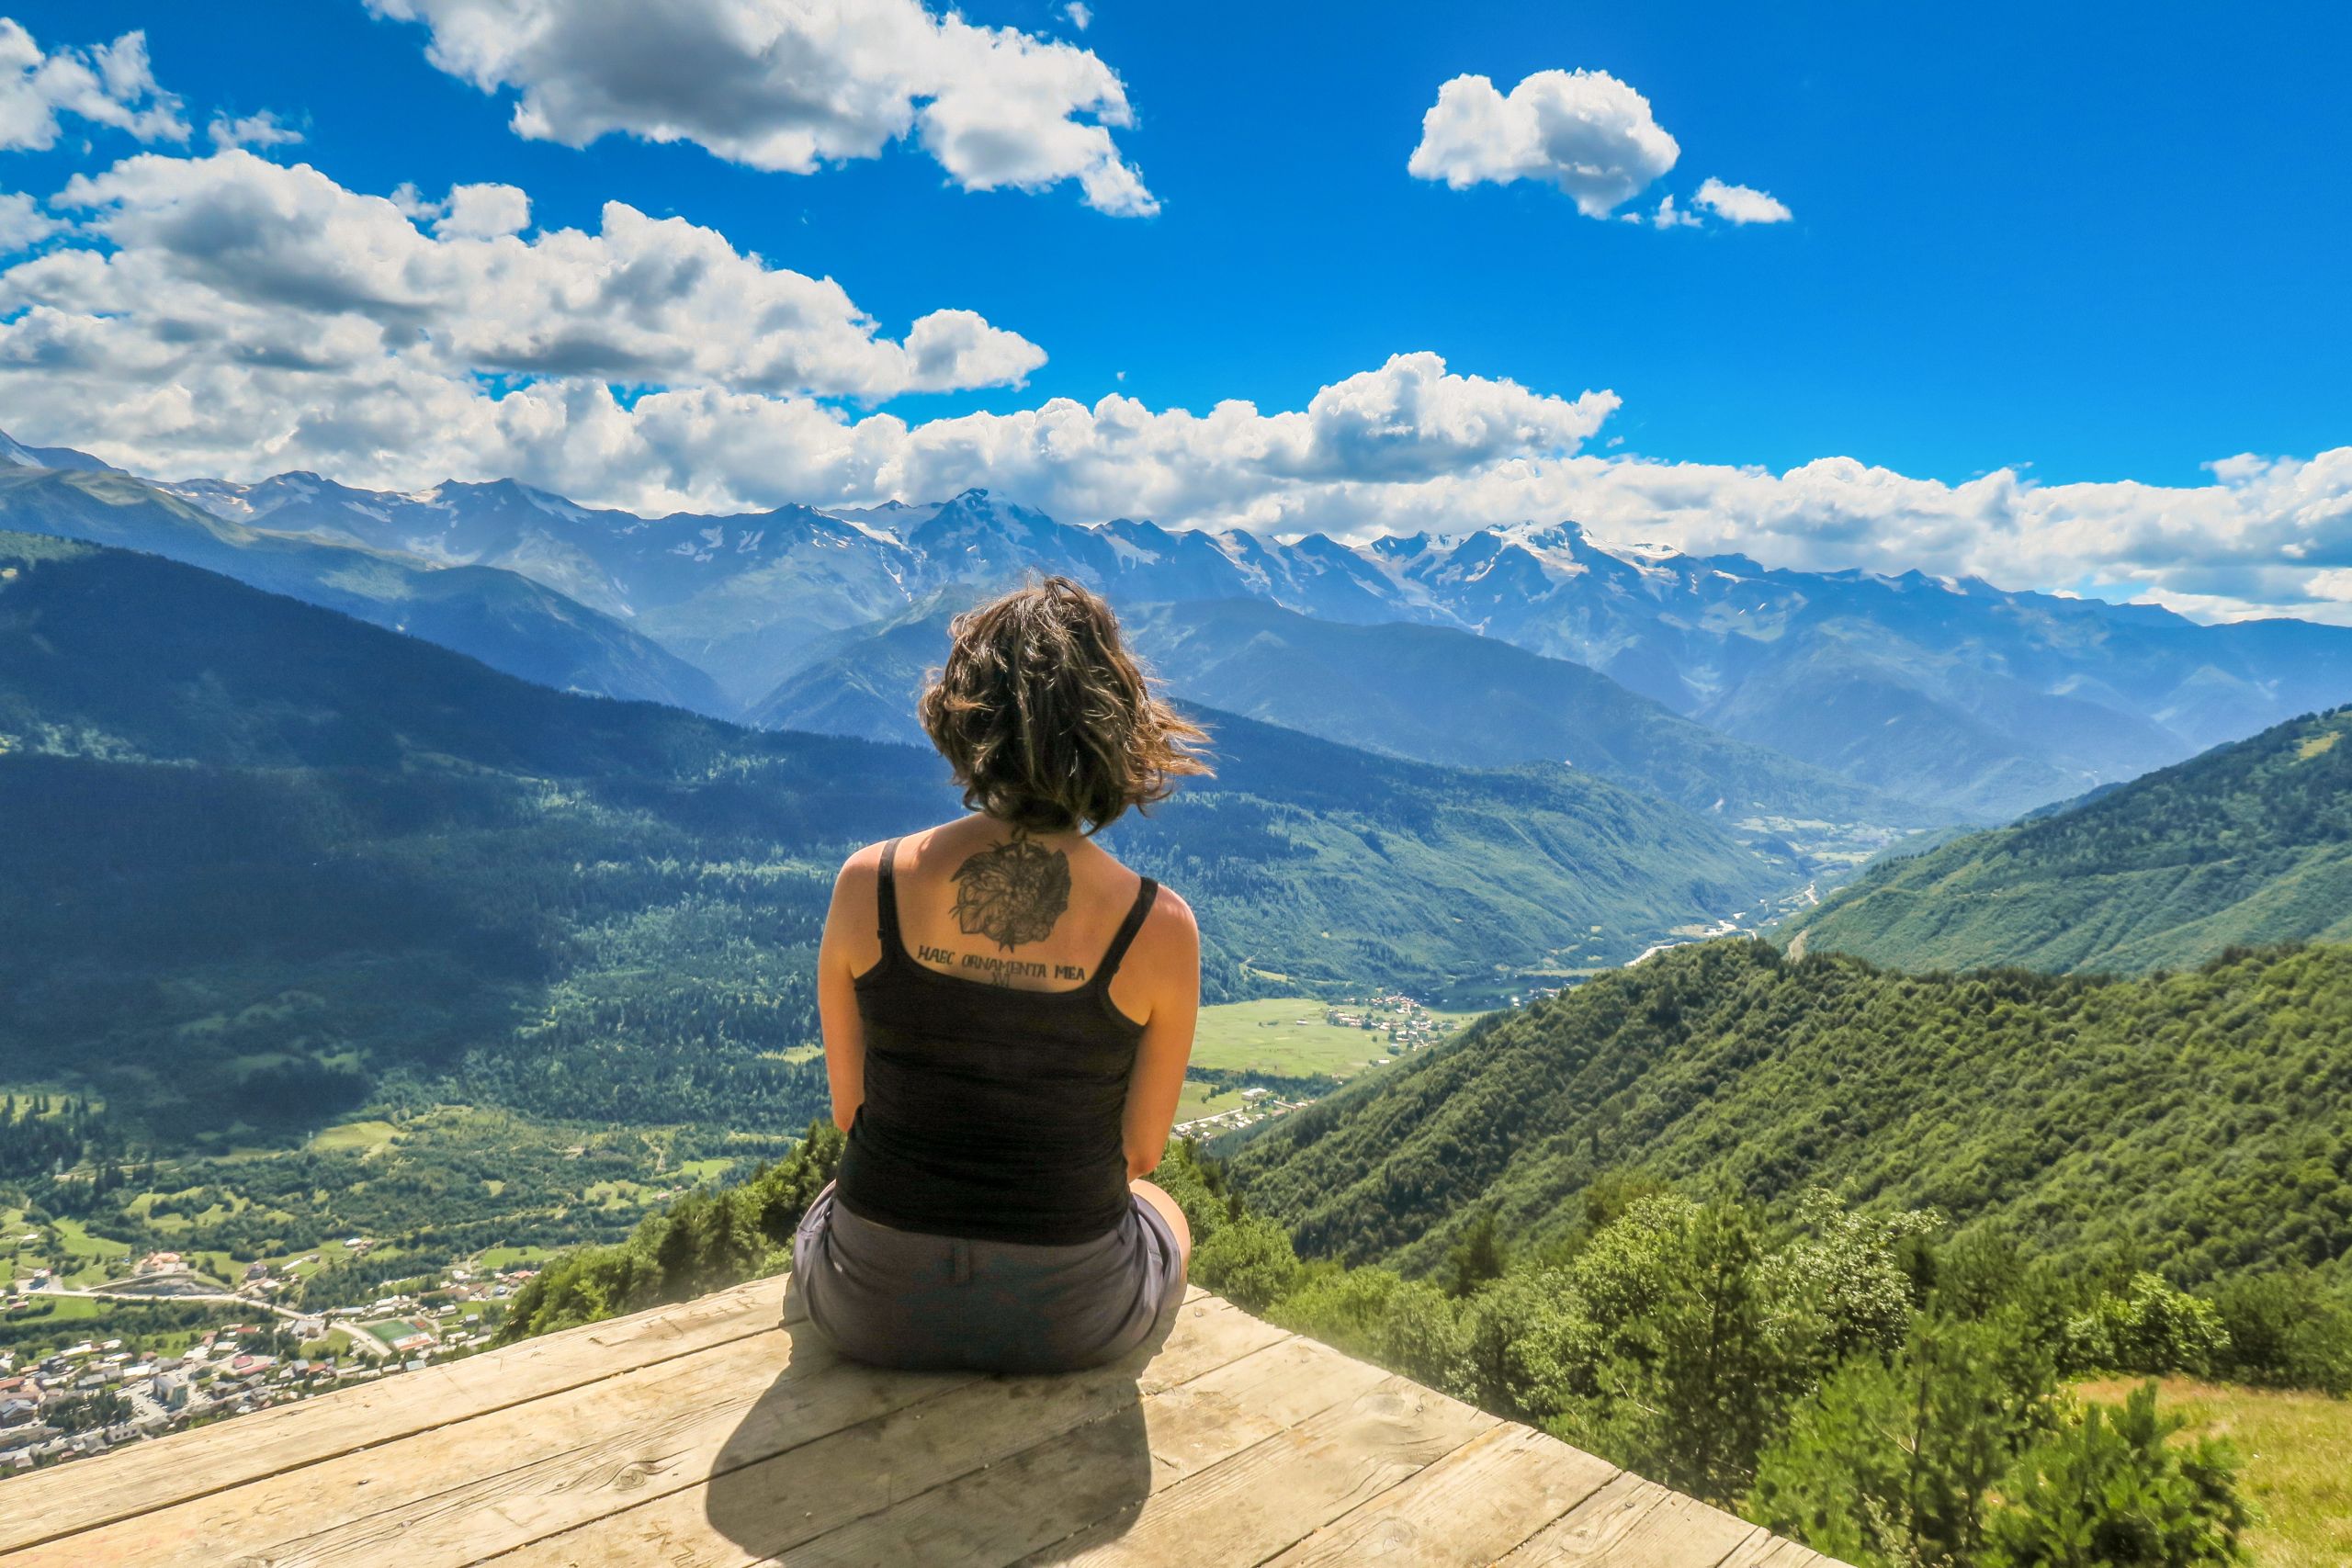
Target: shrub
x,y
2152,1328
2285,1331
1249,1261
2107,1487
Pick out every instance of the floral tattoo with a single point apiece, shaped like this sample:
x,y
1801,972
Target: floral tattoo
x,y
1011,892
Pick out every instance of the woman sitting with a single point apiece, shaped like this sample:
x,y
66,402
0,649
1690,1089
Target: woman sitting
x,y
1007,1014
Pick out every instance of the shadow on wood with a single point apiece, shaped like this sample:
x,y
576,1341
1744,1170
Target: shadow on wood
x,y
1049,1456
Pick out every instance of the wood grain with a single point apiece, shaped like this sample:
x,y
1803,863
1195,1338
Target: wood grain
x,y
50,1503
1275,1493
1633,1523
751,1513
722,1434
1468,1509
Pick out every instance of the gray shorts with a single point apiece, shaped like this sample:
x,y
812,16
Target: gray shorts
x,y
894,1298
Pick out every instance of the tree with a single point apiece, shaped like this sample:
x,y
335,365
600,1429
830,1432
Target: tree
x,y
2107,1488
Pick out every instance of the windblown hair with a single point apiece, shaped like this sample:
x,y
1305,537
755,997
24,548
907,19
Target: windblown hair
x,y
1047,721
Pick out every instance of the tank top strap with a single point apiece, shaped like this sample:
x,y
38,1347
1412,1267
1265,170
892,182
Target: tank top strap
x,y
885,901
1145,895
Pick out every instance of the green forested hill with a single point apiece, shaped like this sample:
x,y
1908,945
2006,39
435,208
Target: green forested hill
x,y
261,858
2250,842
2201,1122
1333,867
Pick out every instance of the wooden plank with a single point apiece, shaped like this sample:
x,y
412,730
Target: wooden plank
x,y
1465,1511
51,1504
1769,1551
1275,1493
1048,1493
441,1495
1633,1523
748,1513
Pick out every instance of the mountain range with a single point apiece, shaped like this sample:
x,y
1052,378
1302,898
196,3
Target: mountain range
x,y
1949,695
271,859
1423,692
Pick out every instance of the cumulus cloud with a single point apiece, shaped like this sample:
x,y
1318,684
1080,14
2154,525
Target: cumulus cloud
x,y
108,84
1740,204
23,223
1079,16
1585,131
791,86
263,129
234,290
1412,445
1668,216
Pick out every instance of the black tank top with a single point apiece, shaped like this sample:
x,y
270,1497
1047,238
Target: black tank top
x,y
989,1113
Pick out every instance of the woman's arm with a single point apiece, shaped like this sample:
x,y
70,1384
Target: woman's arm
x,y
1170,946
851,946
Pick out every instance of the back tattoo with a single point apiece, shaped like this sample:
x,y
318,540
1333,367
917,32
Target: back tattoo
x,y
1011,892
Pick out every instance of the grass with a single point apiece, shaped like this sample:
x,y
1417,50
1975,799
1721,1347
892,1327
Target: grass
x,y
1288,1035
507,1256
2292,1446
368,1135
1197,1099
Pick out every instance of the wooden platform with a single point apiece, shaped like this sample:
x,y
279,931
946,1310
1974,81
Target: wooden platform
x,y
706,1434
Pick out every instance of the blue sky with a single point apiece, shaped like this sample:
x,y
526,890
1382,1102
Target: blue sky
x,y
2073,243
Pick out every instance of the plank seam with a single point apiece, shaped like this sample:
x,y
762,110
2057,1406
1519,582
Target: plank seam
x,y
1370,1497
1500,1433
91,1526
639,1502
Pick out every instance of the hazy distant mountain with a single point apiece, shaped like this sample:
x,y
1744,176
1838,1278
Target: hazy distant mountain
x,y
1433,694
2250,842
504,619
1952,693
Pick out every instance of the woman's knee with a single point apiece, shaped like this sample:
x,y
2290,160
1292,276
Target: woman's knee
x,y
1168,1211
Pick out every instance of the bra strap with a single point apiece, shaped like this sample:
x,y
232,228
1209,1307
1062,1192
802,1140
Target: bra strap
x,y
886,900
1127,929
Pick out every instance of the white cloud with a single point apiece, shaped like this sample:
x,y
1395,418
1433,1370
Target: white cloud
x,y
263,129
482,212
23,223
1408,446
1739,204
1079,16
1669,216
108,84
227,275
1585,131
792,84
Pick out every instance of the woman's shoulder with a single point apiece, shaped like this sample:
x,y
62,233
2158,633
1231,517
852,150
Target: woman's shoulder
x,y
865,864
1170,923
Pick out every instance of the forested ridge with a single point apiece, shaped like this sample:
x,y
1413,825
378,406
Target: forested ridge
x,y
2198,1122
2249,842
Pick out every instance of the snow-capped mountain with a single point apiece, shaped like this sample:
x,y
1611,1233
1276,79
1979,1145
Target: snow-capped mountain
x,y
1952,692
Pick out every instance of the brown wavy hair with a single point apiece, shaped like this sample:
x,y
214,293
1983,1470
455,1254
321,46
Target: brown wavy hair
x,y
1048,721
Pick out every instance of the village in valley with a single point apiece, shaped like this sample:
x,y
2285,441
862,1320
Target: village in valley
x,y
1253,1061
71,1401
